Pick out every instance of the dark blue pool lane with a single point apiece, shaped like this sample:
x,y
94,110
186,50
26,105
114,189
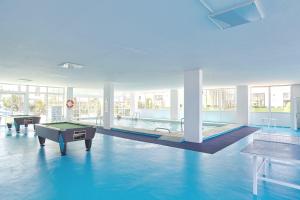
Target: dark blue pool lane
x,y
211,146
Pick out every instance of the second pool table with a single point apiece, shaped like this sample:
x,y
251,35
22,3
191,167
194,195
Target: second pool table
x,y
23,120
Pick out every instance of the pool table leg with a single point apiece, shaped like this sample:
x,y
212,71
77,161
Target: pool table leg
x,y
42,141
17,127
9,125
62,145
88,144
63,148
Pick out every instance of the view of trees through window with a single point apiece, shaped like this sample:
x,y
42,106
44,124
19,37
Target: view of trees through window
x,y
88,104
220,99
122,103
146,104
154,100
47,102
87,107
11,104
271,99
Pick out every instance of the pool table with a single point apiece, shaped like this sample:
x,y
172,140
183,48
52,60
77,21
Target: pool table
x,y
64,132
19,120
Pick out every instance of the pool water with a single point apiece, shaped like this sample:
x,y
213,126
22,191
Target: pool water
x,y
173,126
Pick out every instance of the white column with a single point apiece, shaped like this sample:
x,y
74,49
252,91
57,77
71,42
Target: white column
x,y
295,106
193,106
174,107
132,103
26,101
242,104
69,111
108,100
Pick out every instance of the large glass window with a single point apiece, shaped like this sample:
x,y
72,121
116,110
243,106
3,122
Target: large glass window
x,y
55,107
88,105
154,100
280,99
153,104
228,99
38,105
11,104
47,102
271,99
221,99
9,88
211,100
260,99
122,104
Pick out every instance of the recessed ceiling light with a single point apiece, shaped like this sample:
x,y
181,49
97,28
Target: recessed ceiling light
x,y
24,80
69,65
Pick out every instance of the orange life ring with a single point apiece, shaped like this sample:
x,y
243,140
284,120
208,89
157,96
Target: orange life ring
x,y
70,103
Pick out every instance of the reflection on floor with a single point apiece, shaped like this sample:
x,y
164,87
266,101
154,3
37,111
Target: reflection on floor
x,y
117,168
279,130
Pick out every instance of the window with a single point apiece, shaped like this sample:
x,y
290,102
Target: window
x,y
55,90
280,99
29,99
259,99
154,100
221,99
87,107
38,105
48,105
122,104
88,104
55,107
11,104
9,87
228,99
271,99
211,100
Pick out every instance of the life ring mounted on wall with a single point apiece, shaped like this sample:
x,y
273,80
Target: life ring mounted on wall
x,y
70,103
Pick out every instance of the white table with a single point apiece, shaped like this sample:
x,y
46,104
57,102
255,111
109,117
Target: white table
x,y
266,152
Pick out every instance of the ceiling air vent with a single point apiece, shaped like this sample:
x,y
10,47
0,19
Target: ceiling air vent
x,y
239,14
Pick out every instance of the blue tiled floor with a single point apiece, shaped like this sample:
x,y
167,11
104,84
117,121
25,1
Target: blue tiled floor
x,y
123,169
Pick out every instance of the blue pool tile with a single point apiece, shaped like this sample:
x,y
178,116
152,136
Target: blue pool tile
x,y
117,168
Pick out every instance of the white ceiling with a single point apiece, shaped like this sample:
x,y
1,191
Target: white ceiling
x,y
142,43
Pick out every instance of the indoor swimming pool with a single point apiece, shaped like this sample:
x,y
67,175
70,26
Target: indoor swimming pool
x,y
170,128
151,124
156,127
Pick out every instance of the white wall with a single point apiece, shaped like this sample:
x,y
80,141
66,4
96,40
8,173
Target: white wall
x,y
242,104
282,119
